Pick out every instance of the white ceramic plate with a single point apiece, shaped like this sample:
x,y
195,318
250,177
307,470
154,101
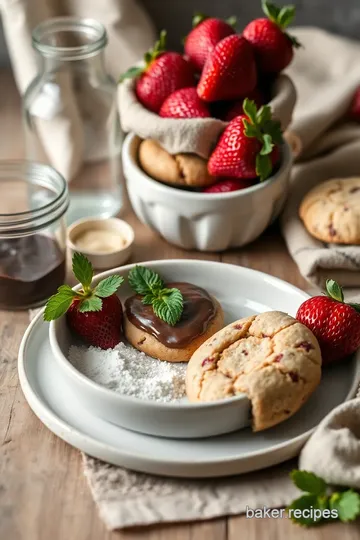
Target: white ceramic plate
x,y
61,411
241,292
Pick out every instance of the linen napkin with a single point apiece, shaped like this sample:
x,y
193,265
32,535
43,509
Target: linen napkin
x,y
192,135
326,72
62,104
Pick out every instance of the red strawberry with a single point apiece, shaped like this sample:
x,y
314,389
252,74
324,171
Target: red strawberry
x,y
205,35
94,314
354,112
184,103
236,109
232,184
163,73
248,146
336,325
273,46
229,71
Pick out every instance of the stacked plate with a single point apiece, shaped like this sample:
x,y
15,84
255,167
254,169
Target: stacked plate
x,y
175,439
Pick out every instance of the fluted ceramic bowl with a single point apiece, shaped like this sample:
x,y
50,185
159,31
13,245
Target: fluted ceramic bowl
x,y
204,221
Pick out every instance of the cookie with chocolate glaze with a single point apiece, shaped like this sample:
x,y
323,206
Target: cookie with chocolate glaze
x,y
202,317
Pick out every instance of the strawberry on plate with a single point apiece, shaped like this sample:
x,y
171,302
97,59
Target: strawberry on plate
x,y
184,103
229,71
94,314
273,46
163,73
335,324
249,145
228,185
206,33
236,108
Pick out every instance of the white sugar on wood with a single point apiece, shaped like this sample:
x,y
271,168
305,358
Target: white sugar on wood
x,y
131,372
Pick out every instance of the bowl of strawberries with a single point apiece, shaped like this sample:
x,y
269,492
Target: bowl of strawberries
x,y
205,159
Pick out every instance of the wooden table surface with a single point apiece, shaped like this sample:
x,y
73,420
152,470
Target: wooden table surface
x,y
43,492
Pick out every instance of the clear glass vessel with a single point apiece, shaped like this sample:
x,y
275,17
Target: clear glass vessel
x,y
33,201
71,118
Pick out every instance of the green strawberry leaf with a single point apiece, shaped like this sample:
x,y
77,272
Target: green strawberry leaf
x,y
198,18
131,73
308,481
354,306
83,270
92,303
305,502
334,291
168,306
250,109
263,167
273,127
267,145
270,10
286,16
59,303
144,281
232,21
250,129
108,286
294,41
264,114
347,504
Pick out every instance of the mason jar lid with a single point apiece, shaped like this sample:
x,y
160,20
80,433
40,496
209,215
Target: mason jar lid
x,y
32,197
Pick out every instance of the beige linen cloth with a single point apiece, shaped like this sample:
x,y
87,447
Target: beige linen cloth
x,y
59,108
326,72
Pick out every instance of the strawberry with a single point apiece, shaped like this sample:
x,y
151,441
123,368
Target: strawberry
x,y
354,112
206,33
236,109
94,314
232,184
163,73
272,45
335,324
229,71
248,147
184,103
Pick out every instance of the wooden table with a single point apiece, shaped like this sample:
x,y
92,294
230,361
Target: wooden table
x,y
43,492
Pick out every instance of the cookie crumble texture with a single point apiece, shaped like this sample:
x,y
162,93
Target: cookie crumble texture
x,y
271,357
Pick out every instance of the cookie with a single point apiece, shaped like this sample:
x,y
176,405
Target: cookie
x,y
179,170
331,211
271,357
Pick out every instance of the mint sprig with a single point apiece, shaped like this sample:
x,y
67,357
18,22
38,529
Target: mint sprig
x,y
261,125
167,303
318,495
87,298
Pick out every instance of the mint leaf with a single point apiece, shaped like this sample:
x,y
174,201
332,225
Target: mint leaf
x,y
347,504
263,167
82,269
305,502
267,145
59,303
108,286
250,109
334,291
270,10
168,306
144,281
93,303
308,481
286,16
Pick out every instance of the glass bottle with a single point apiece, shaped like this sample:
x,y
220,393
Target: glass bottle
x,y
71,118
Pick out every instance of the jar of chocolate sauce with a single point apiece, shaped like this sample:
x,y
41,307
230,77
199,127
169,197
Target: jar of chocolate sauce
x,y
33,202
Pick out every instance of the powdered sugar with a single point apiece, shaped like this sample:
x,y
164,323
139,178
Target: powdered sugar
x,y
131,372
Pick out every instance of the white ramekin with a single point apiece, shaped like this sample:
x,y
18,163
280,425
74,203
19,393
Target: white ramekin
x,y
204,221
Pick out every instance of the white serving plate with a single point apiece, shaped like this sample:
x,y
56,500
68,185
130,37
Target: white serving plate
x,y
241,292
61,411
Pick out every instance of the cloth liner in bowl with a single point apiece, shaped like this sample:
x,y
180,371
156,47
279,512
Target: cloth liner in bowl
x,y
192,135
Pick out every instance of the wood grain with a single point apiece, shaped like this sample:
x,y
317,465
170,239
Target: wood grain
x,y
43,492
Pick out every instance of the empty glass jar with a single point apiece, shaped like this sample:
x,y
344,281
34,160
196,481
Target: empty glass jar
x,y
71,118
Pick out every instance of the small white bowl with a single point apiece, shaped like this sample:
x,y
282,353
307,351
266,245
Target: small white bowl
x,y
106,259
204,221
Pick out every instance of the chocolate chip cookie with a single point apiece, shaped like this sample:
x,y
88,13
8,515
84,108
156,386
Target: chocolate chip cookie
x,y
271,357
331,211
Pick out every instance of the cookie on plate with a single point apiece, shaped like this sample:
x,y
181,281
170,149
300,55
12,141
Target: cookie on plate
x,y
331,211
180,170
201,318
271,357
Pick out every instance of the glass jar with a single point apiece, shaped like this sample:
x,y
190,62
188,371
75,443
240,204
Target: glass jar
x,y
33,202
71,118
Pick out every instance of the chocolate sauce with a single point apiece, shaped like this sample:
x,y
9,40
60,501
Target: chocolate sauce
x,y
199,310
31,269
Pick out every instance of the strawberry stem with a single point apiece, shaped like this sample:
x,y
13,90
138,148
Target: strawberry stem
x,y
334,291
282,17
151,55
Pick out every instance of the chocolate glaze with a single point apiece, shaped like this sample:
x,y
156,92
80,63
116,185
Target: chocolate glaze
x,y
199,310
31,269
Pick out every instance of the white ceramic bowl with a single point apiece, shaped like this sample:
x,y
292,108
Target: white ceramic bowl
x,y
241,292
204,221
